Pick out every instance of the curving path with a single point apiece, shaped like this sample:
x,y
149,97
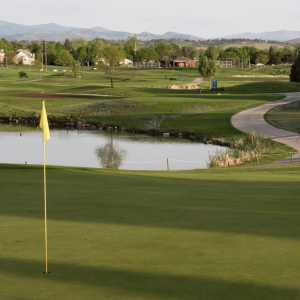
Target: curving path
x,y
253,120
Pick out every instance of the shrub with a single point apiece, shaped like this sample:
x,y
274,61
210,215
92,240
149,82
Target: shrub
x,y
244,149
23,74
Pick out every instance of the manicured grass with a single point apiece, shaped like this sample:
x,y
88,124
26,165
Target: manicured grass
x,y
286,117
211,234
133,103
136,100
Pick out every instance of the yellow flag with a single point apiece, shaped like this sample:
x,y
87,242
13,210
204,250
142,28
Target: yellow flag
x,y
44,124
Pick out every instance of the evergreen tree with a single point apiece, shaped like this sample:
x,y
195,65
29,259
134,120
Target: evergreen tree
x,y
272,56
295,70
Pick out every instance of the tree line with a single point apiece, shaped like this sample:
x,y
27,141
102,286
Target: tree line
x,y
87,52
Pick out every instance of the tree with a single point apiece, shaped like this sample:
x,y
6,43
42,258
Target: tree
x,y
37,50
208,67
295,69
76,43
23,74
6,45
272,56
146,54
192,52
38,65
129,50
75,68
10,58
68,45
51,53
111,57
59,47
64,58
262,58
175,50
162,49
212,53
81,54
96,46
133,42
185,52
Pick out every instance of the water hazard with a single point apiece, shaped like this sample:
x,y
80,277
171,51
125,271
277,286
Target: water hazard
x,y
97,149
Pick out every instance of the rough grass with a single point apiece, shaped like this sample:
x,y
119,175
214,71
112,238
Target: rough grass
x,y
286,117
213,234
246,149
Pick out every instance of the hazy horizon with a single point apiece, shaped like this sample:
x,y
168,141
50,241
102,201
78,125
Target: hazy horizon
x,y
206,20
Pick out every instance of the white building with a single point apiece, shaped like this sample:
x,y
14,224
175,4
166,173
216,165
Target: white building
x,y
2,56
24,56
127,62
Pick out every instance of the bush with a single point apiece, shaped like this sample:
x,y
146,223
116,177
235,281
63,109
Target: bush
x,y
23,74
242,150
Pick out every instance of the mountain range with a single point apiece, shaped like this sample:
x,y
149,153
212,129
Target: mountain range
x,y
55,32
280,36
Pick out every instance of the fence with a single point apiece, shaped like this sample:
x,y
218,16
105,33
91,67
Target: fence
x,y
167,160
145,65
234,62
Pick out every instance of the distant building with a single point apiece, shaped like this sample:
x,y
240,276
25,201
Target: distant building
x,y
2,55
127,62
25,57
180,62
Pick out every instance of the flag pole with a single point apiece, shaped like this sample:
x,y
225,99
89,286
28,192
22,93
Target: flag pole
x,y
45,205
46,136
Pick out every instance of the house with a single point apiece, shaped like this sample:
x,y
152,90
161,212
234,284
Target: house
x,y
25,57
2,55
180,62
127,62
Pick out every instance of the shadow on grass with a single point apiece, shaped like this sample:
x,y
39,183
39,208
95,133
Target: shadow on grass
x,y
161,286
243,204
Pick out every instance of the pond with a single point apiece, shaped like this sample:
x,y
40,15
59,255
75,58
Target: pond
x,y
97,149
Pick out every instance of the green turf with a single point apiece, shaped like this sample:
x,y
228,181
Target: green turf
x,y
134,101
286,117
212,234
139,96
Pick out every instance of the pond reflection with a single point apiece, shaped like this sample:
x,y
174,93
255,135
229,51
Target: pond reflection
x,y
111,154
96,148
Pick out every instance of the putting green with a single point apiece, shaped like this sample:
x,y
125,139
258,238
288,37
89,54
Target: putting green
x,y
203,234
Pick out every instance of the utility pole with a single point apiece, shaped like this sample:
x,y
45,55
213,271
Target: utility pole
x,y
46,54
42,53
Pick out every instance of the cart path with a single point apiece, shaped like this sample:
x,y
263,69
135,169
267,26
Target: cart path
x,y
253,120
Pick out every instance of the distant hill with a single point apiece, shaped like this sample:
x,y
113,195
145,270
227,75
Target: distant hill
x,y
295,41
56,32
281,36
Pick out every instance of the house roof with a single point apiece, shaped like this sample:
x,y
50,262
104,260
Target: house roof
x,y
26,52
181,59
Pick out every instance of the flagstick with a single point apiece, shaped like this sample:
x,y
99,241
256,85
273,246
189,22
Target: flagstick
x,y
46,136
45,204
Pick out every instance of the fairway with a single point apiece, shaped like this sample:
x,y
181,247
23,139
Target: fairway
x,y
213,234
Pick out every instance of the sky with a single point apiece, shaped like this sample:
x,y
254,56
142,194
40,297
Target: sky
x,y
206,19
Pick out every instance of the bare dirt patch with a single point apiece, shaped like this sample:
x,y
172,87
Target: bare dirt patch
x,y
58,96
267,76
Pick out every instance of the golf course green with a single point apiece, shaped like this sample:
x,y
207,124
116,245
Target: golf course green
x,y
215,234
203,234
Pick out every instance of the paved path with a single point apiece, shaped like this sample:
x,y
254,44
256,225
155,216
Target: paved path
x,y
253,120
